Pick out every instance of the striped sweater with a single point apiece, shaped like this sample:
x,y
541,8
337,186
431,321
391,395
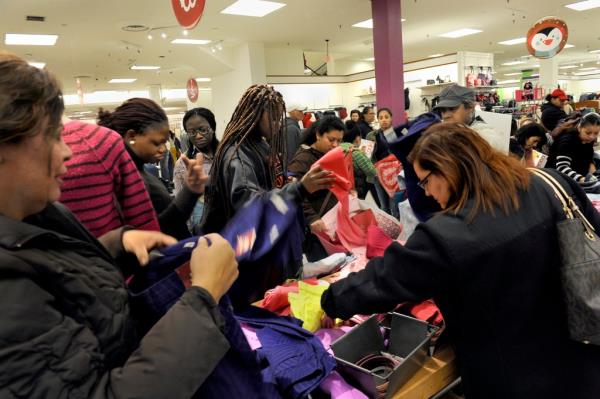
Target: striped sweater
x,y
570,156
103,187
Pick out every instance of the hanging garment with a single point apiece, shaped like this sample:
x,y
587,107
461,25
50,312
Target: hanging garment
x,y
296,361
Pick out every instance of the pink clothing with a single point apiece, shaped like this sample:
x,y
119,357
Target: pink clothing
x,y
103,187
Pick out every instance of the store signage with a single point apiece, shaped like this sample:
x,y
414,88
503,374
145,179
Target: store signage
x,y
547,37
192,90
188,12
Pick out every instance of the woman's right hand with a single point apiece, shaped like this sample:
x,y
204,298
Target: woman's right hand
x,y
317,179
213,267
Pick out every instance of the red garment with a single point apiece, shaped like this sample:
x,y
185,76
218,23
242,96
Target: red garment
x,y
276,299
377,241
306,122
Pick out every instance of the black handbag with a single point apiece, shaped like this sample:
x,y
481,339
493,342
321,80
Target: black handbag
x,y
579,247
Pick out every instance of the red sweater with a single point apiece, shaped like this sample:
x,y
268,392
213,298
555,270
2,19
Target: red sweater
x,y
103,187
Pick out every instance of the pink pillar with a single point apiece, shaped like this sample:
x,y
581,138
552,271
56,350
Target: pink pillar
x,y
389,68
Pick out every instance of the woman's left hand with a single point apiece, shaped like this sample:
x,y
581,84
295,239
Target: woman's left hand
x,y
140,242
196,178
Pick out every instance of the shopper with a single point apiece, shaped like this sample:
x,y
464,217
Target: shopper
x,y
326,135
200,127
381,151
247,163
144,127
364,171
457,104
367,118
355,115
572,152
65,324
491,262
530,137
293,132
102,186
552,109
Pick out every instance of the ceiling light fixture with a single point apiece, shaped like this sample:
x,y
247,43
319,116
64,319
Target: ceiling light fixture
x,y
185,32
149,37
503,82
39,65
460,33
512,42
16,39
124,80
252,8
584,5
594,51
368,23
568,67
594,72
203,79
513,74
435,55
514,63
189,41
370,59
144,67
588,69
569,45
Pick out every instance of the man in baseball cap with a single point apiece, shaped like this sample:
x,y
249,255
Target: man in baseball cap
x,y
457,104
296,113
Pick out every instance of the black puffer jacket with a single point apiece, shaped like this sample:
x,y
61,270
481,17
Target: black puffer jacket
x,y
65,325
551,115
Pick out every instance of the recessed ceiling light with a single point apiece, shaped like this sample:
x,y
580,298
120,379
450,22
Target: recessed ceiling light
x,y
252,8
204,89
185,32
588,69
512,42
502,82
569,45
584,5
435,55
122,80
594,51
514,63
460,33
144,67
594,72
370,59
368,23
202,79
568,67
39,65
190,41
16,39
536,66
512,74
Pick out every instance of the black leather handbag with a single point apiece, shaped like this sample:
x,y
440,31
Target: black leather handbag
x,y
580,272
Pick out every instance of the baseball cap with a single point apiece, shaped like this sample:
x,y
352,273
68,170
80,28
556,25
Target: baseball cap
x,y
295,107
455,95
559,93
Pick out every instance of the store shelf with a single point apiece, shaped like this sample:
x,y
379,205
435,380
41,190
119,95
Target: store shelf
x,y
438,85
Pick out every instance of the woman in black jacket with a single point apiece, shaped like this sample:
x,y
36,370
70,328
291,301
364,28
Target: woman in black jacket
x,y
66,329
552,109
491,262
145,128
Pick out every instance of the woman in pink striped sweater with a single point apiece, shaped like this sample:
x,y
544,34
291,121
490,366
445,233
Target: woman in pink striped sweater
x,y
103,187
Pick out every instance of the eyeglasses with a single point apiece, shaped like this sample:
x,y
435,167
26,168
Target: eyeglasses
x,y
423,182
203,130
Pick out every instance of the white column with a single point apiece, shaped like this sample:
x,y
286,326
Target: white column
x,y
549,74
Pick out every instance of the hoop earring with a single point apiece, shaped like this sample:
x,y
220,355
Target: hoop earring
x,y
131,142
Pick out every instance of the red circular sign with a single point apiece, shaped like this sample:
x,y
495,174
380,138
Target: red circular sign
x,y
192,90
188,12
547,37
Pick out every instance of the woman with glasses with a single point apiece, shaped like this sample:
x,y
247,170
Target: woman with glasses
x,y
572,151
200,126
145,128
491,262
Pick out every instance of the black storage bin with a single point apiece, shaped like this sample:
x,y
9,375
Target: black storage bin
x,y
402,336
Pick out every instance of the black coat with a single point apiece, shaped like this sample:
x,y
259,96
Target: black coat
x,y
65,325
551,115
497,284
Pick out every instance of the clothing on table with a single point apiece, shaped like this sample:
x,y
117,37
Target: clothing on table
x,y
570,156
173,213
485,280
293,135
551,115
79,338
296,360
179,177
323,266
102,186
306,304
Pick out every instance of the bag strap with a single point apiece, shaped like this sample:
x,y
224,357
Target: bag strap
x,y
569,206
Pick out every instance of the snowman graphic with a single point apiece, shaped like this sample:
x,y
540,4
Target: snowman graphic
x,y
547,37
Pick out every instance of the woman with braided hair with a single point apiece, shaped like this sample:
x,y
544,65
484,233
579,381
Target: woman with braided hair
x,y
249,160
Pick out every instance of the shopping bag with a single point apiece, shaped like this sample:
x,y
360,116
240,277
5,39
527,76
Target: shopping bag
x,y
387,172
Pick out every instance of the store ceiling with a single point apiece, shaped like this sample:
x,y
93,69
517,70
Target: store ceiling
x,y
93,45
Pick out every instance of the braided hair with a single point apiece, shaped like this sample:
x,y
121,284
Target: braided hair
x,y
137,114
244,124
